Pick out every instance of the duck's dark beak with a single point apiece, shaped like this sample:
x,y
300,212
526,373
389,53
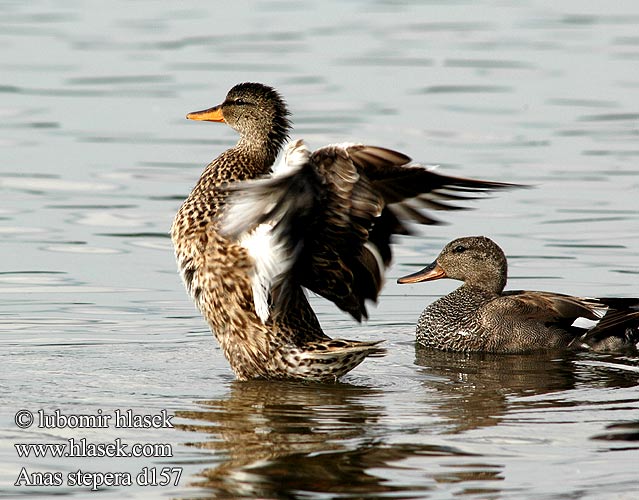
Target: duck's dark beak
x,y
213,114
431,272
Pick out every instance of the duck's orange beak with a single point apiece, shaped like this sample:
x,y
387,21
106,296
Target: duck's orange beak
x,y
431,272
213,114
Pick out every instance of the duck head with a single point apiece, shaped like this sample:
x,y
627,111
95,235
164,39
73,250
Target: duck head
x,y
256,111
476,260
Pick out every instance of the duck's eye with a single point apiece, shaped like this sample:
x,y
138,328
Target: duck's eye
x,y
239,101
459,249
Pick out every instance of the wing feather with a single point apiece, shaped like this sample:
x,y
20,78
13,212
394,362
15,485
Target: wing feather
x,y
335,211
553,307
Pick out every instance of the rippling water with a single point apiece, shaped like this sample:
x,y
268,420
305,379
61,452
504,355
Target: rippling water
x,y
97,156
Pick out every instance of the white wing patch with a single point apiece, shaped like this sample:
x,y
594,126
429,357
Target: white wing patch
x,y
271,260
265,246
296,155
589,324
585,323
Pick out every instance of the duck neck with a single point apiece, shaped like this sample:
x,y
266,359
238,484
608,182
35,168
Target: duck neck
x,y
264,141
246,160
261,151
252,156
491,281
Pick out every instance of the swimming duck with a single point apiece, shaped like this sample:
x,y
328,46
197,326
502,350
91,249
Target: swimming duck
x,y
481,316
250,237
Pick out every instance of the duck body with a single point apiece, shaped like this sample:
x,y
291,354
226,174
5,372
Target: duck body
x,y
475,320
480,316
249,239
217,271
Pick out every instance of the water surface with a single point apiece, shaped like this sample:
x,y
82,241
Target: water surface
x,y
97,156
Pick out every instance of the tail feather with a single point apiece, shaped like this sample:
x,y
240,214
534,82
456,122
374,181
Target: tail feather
x,y
340,347
619,326
327,360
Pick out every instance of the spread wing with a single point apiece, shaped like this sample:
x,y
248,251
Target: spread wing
x,y
331,215
408,188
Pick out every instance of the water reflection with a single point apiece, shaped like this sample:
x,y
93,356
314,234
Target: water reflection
x,y
280,438
608,371
275,440
481,390
626,431
476,387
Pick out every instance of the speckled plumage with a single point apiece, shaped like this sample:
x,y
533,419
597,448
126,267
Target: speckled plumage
x,y
216,270
331,212
480,316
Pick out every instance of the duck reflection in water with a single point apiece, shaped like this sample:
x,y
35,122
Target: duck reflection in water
x,y
277,440
477,389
